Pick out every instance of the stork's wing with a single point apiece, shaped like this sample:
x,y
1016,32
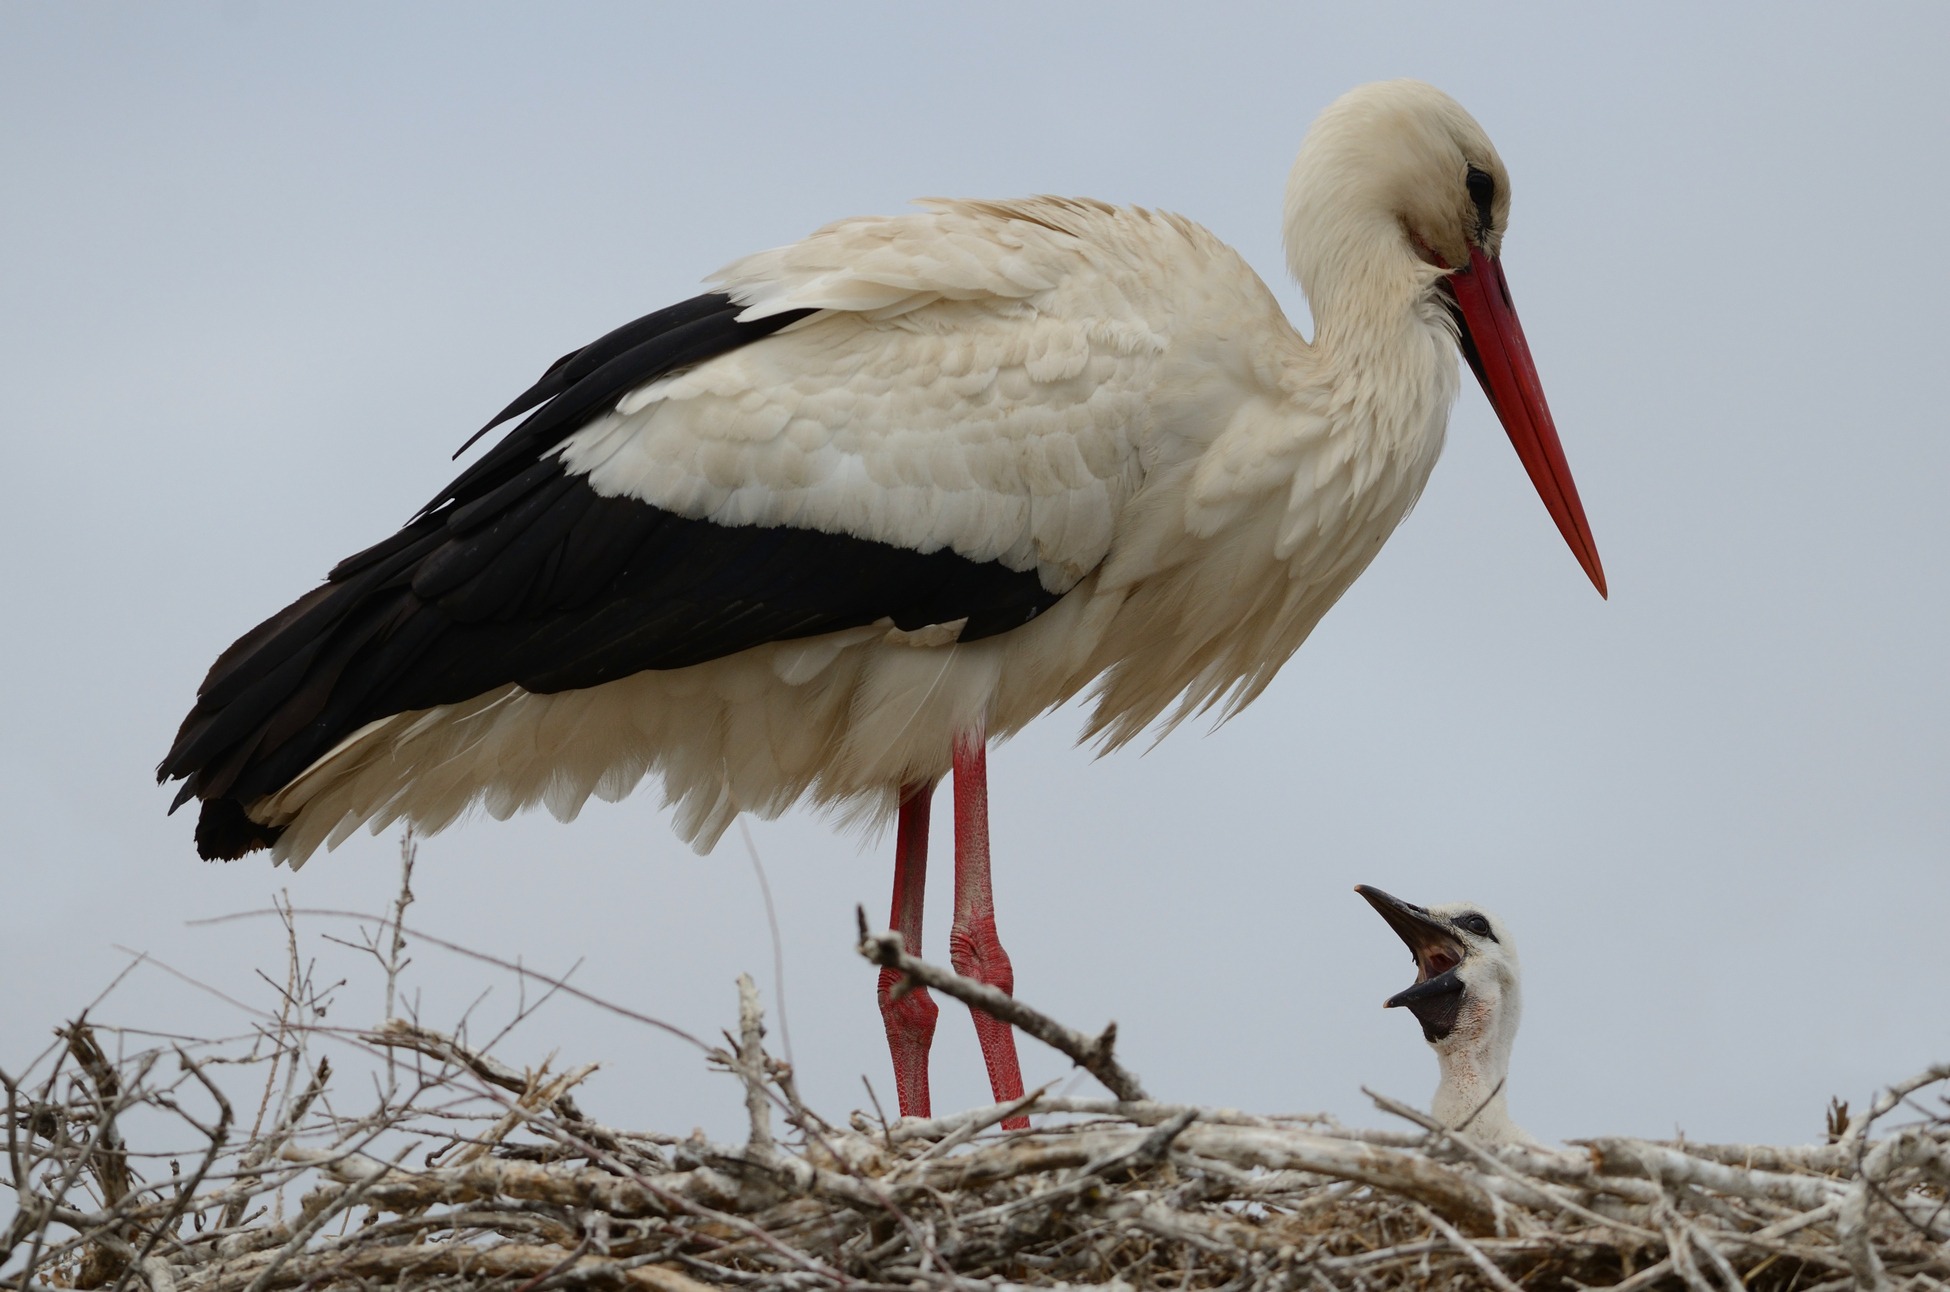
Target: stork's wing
x,y
735,470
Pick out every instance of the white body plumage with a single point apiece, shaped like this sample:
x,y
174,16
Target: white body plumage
x,y
1106,396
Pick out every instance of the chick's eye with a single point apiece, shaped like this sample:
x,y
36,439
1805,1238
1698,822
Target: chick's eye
x,y
1475,924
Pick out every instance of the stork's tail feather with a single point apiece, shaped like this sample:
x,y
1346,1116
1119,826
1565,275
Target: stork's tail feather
x,y
225,832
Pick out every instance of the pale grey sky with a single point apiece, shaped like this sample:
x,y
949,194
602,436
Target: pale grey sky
x,y
262,268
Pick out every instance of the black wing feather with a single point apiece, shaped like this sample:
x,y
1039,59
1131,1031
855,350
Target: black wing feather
x,y
520,572
577,365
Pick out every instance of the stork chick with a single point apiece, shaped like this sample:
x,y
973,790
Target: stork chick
x,y
1468,998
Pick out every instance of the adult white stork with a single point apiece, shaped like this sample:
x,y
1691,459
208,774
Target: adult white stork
x,y
886,493
1468,997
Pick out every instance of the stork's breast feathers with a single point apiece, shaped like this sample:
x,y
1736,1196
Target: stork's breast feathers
x,y
975,384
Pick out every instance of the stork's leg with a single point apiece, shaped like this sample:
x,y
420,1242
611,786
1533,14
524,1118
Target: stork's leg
x,y
910,1019
973,947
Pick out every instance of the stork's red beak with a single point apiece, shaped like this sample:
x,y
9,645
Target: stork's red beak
x,y
1492,341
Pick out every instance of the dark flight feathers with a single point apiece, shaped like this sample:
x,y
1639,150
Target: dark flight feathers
x,y
520,572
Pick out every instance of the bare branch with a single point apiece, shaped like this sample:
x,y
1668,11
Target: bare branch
x,y
1093,1054
400,1034
751,1065
452,1170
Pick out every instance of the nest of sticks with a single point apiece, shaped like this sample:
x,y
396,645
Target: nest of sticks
x,y
442,1167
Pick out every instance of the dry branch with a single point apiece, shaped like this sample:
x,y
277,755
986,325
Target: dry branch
x,y
1094,1054
467,1172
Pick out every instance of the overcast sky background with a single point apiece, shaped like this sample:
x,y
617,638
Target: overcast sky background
x,y
262,268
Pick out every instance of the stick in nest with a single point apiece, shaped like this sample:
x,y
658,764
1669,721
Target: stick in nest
x,y
486,1177
1093,1054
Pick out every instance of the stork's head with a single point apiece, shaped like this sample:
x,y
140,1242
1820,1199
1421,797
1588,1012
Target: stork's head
x,y
1394,166
1466,995
1401,154
1396,209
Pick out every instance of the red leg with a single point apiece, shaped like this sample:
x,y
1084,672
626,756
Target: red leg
x,y
973,947
910,1020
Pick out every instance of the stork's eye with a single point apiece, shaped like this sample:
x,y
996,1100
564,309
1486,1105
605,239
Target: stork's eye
x,y
1482,191
1476,924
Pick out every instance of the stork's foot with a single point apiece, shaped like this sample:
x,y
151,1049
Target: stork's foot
x,y
910,1032
976,952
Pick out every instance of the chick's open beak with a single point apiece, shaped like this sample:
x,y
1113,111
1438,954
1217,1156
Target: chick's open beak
x,y
1436,996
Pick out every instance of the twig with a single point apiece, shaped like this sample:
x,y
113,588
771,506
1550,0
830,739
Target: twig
x,y
1619,1156
395,958
263,1149
778,943
400,1034
339,1201
1094,1055
1491,1270
219,1135
751,1065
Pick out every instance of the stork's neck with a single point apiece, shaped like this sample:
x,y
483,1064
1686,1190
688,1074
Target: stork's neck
x,y
1365,289
1473,1081
1475,1062
1381,343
